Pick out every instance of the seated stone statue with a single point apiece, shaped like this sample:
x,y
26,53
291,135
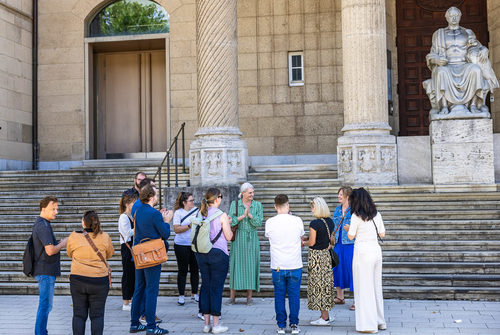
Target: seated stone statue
x,y
462,74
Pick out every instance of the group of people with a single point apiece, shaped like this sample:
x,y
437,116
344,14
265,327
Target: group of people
x,y
355,220
352,231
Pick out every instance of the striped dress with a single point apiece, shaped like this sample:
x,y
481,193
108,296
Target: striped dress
x,y
245,250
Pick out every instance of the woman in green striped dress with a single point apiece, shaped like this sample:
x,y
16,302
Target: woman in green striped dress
x,y
245,250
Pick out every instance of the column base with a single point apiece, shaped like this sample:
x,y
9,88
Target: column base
x,y
367,159
218,158
462,152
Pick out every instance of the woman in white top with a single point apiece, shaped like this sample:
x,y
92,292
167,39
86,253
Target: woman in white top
x,y
126,229
367,226
184,210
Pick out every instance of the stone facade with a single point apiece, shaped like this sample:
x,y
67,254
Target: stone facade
x,y
15,84
494,48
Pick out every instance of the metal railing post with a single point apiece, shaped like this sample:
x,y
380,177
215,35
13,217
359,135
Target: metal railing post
x,y
168,169
159,183
176,165
183,151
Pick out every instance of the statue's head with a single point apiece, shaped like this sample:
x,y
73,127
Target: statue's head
x,y
453,15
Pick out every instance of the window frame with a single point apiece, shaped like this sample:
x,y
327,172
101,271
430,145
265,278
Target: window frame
x,y
292,82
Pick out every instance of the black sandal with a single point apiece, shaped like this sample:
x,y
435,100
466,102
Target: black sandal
x,y
338,301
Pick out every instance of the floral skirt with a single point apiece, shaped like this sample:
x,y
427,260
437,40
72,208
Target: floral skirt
x,y
319,280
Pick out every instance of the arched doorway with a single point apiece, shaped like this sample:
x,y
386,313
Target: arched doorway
x,y
128,64
416,22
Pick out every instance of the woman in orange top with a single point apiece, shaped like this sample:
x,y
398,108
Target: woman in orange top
x,y
89,282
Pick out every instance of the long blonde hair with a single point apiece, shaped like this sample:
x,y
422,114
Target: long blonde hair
x,y
210,196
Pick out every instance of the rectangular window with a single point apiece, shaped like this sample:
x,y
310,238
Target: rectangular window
x,y
296,68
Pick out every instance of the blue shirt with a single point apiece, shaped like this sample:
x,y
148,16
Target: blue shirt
x,y
44,235
149,224
337,216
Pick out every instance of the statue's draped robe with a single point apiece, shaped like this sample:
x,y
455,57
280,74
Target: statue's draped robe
x,y
458,83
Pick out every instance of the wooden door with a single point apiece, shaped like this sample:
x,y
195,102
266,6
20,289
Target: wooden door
x,y
131,103
416,22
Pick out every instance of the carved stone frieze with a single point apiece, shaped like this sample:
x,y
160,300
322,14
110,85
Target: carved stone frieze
x,y
368,159
438,5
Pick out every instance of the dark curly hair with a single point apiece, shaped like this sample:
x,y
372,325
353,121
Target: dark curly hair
x,y
362,204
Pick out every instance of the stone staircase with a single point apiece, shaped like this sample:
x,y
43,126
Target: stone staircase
x,y
438,245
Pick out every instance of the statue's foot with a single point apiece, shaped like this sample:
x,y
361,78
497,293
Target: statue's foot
x,y
444,111
484,109
474,109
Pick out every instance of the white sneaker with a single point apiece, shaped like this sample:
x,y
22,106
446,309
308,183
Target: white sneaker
x,y
382,326
281,330
320,322
181,300
195,297
219,329
295,329
207,329
200,316
127,307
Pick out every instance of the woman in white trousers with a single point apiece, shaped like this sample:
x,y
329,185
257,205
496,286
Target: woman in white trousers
x,y
366,224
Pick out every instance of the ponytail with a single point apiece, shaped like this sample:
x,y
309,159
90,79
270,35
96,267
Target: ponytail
x,y
204,207
210,196
91,221
125,200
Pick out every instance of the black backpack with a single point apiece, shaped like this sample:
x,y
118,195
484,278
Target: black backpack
x,y
29,258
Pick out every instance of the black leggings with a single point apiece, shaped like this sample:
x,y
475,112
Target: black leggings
x,y
186,258
89,299
128,274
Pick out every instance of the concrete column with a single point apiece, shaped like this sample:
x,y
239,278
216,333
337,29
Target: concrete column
x,y
366,151
218,156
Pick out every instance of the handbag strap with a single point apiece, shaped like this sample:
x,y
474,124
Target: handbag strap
x,y
189,214
378,237
99,254
328,230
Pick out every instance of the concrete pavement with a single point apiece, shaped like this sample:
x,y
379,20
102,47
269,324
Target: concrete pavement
x,y
17,316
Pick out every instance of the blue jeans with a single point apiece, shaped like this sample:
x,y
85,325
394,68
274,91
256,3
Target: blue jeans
x,y
46,286
213,267
287,281
147,286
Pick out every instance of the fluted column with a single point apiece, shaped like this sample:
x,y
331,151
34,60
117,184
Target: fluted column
x,y
366,151
218,156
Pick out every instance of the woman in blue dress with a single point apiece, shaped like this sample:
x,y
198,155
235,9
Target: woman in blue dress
x,y
342,273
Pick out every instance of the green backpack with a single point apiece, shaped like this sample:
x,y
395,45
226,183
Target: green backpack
x,y
200,232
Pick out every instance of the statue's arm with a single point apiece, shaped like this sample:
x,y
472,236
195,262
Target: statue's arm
x,y
438,51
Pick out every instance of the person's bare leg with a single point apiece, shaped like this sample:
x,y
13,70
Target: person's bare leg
x,y
215,320
340,293
207,319
325,315
232,294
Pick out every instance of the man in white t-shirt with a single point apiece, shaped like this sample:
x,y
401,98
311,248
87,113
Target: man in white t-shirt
x,y
284,232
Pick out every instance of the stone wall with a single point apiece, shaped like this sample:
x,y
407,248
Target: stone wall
x,y
390,7
275,118
15,84
494,30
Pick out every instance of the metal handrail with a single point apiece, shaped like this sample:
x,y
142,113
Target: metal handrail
x,y
167,158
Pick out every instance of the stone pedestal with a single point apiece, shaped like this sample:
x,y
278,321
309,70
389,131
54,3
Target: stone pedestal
x,y
368,159
218,159
462,152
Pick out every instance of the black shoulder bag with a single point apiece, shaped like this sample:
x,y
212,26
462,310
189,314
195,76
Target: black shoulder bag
x,y
333,254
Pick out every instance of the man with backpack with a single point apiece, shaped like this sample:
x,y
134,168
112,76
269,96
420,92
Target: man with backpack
x,y
46,266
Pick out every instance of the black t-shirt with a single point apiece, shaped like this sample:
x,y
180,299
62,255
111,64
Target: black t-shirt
x,y
322,238
42,236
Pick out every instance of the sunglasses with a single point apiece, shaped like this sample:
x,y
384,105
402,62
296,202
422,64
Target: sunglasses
x,y
220,196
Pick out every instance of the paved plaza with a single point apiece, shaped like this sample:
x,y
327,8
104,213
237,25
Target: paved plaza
x,y
17,316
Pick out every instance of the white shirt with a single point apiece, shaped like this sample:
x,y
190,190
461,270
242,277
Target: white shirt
x,y
365,230
284,232
185,237
125,228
